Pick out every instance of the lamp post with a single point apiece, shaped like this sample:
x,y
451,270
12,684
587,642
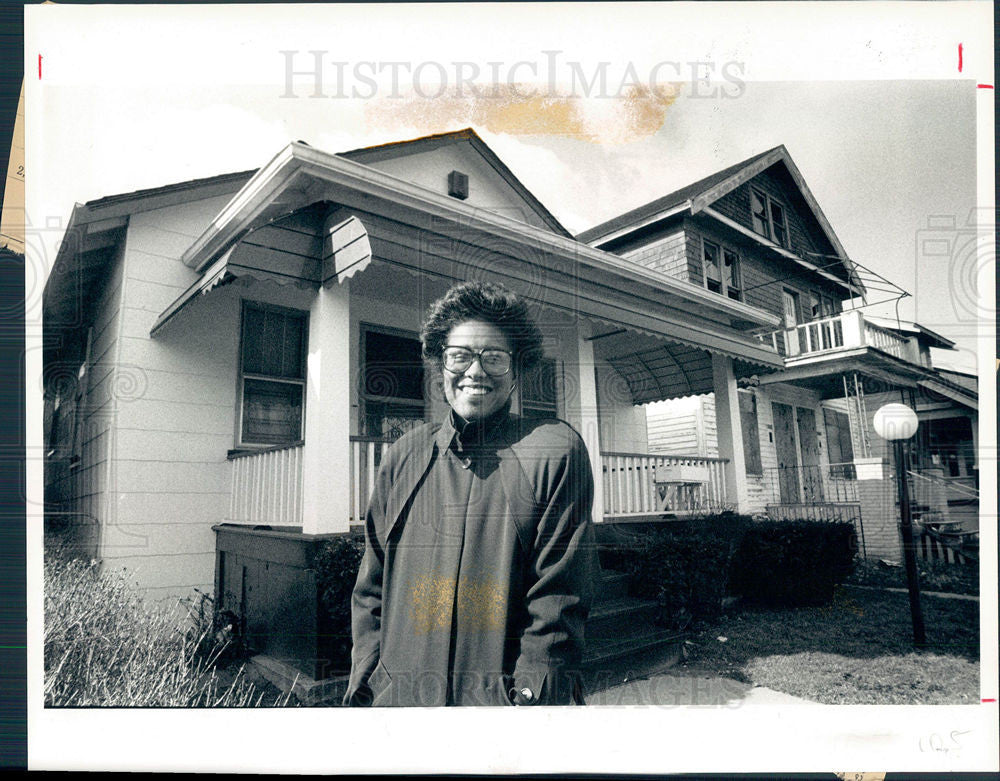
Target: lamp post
x,y
897,423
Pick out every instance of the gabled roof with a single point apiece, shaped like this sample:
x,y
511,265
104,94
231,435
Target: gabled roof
x,y
699,197
667,202
373,154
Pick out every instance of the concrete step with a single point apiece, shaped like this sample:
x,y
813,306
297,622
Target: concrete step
x,y
610,586
615,618
609,652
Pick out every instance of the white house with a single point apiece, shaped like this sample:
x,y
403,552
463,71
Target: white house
x,y
239,349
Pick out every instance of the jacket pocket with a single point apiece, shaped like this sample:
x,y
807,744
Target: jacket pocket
x,y
379,682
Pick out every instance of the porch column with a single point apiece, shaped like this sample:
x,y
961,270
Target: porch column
x,y
729,431
588,423
326,456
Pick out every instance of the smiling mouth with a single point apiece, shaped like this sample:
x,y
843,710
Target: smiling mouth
x,y
475,390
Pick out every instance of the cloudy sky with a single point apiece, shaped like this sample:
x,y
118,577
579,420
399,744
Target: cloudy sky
x,y
891,161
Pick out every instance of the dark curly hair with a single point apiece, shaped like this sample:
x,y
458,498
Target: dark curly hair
x,y
491,303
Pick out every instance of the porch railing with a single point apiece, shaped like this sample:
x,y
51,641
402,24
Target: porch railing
x,y
366,455
267,487
842,331
646,484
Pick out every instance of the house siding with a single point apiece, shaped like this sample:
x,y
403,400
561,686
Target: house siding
x,y
83,491
175,418
666,253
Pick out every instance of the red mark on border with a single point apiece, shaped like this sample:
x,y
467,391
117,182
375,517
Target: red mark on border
x,y
985,86
39,67
990,699
960,58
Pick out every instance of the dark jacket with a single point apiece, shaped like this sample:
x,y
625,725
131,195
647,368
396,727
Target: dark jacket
x,y
539,561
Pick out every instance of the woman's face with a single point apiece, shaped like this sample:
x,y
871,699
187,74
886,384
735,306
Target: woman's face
x,y
474,393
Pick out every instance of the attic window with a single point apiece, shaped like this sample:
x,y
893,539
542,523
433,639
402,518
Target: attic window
x,y
768,217
458,185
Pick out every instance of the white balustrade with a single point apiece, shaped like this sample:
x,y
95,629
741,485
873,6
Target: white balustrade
x,y
638,484
267,487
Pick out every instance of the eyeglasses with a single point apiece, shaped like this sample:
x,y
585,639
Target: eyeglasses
x,y
495,362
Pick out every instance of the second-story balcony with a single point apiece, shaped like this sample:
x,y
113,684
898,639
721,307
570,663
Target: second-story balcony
x,y
845,331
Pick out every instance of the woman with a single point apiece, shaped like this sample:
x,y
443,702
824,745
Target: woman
x,y
479,558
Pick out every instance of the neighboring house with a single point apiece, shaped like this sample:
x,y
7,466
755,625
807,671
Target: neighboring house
x,y
240,349
805,444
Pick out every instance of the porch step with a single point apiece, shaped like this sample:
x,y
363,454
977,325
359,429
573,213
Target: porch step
x,y
616,618
622,638
611,586
639,645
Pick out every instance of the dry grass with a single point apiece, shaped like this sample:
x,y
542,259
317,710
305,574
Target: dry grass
x,y
104,646
858,650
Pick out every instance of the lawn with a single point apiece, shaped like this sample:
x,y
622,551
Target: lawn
x,y
106,646
857,650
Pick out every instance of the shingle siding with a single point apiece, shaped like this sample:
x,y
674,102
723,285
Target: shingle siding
x,y
665,253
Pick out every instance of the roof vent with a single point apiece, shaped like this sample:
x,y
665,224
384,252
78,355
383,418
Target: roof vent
x,y
458,185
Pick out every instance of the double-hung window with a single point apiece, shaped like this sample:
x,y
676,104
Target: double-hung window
x,y
768,217
272,375
721,270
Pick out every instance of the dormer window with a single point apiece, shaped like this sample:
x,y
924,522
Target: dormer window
x,y
768,217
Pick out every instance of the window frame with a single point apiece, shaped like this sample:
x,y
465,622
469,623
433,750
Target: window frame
x,y
722,250
535,405
242,376
365,398
769,203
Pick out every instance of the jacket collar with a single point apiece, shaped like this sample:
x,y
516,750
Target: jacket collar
x,y
465,433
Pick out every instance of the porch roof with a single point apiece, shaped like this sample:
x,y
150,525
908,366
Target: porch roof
x,y
574,277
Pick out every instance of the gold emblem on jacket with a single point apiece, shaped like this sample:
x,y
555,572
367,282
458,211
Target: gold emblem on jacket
x,y
480,603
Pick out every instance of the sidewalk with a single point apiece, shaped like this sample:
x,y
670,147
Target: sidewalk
x,y
652,679
678,688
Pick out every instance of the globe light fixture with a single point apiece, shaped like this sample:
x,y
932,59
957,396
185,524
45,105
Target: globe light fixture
x,y
897,423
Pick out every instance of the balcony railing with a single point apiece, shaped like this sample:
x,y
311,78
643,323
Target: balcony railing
x,y
846,330
645,484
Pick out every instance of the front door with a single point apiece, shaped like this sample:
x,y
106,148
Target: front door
x,y
812,476
788,460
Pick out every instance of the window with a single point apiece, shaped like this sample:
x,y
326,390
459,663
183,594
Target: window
x,y
838,444
272,375
721,278
751,435
540,390
710,265
393,383
731,274
768,217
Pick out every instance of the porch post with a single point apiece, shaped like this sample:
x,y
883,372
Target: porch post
x,y
730,432
326,455
588,423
